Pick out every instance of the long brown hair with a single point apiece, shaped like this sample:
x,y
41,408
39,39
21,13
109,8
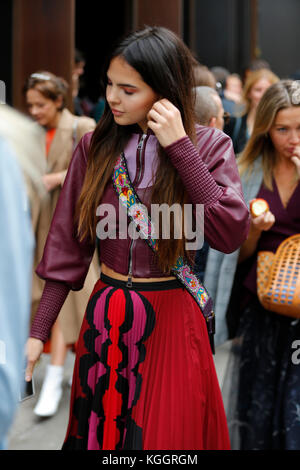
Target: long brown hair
x,y
165,64
279,96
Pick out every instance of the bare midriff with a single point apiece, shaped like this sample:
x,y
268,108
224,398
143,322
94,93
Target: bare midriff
x,y
121,277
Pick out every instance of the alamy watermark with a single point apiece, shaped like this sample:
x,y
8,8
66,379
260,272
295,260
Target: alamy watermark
x,y
187,223
296,354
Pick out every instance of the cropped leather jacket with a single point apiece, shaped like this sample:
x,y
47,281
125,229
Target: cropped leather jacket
x,y
210,176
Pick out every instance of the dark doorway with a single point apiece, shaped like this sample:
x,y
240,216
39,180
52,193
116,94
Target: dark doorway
x,y
97,26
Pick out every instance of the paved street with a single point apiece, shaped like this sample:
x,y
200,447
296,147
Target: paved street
x,y
29,432
32,433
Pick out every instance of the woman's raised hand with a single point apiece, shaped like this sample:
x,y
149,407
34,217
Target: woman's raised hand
x,y
296,159
164,119
258,225
263,222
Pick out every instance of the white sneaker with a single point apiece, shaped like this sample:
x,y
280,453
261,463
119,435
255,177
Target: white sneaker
x,y
51,392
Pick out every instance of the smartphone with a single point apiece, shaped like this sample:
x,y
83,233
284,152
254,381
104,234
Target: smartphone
x,y
27,389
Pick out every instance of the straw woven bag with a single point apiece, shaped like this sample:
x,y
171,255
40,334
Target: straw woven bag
x,y
278,278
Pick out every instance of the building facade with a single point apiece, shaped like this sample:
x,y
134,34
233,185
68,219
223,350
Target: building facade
x,y
42,34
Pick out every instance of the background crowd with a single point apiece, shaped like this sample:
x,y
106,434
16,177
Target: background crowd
x,y
34,159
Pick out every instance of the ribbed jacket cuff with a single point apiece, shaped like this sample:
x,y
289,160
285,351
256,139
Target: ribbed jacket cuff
x,y
52,300
194,173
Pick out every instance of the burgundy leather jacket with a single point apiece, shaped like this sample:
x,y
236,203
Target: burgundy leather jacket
x,y
210,175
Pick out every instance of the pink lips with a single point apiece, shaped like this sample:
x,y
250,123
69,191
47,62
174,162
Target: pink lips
x,y
116,112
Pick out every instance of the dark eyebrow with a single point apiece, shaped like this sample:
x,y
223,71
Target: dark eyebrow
x,y
127,85
124,84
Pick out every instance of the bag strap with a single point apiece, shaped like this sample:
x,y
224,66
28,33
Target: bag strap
x,y
183,271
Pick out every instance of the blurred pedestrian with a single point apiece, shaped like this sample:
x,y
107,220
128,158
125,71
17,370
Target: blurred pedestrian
x,y
46,101
77,72
209,112
209,108
203,76
144,375
234,88
19,164
240,127
221,74
264,396
253,66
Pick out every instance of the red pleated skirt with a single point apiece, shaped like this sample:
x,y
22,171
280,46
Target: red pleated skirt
x,y
144,376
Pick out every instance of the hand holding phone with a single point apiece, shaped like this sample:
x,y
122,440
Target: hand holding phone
x,y
27,389
34,349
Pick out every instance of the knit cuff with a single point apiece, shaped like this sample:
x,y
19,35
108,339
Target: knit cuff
x,y
52,300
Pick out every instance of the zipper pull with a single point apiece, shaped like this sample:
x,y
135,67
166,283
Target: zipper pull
x,y
129,281
141,141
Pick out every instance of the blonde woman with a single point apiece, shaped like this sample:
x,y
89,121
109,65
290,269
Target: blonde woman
x,y
268,397
240,127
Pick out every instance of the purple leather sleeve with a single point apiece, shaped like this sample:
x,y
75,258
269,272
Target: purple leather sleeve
x,y
211,177
52,300
65,259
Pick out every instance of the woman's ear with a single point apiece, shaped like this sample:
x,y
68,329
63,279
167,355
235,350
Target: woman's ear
x,y
212,122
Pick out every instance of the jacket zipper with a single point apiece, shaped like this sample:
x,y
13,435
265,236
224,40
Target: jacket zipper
x,y
140,150
140,153
129,280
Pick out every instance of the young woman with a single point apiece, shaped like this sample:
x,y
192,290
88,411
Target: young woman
x,y
240,128
268,398
46,100
144,376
